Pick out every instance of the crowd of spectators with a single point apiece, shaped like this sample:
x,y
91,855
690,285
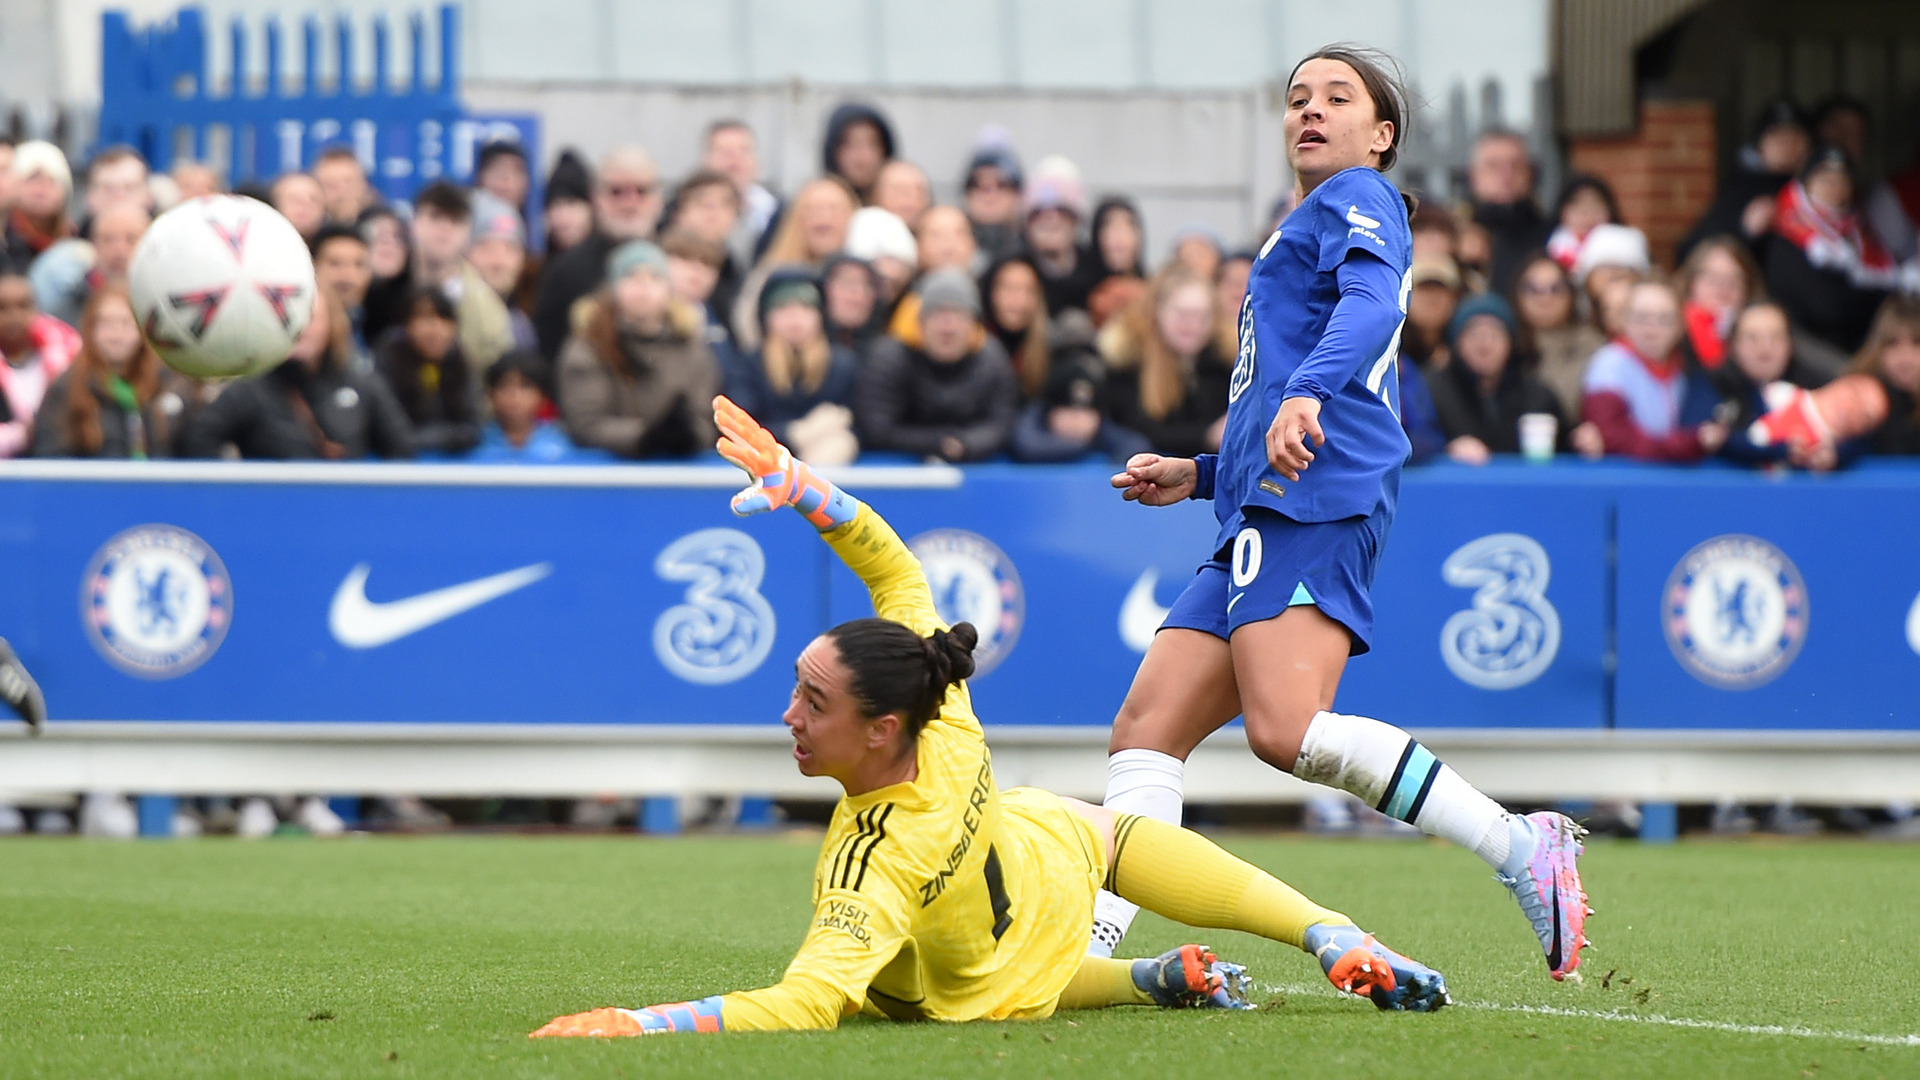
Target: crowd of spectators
x,y
857,317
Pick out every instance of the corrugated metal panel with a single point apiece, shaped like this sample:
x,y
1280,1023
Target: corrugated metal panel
x,y
1594,44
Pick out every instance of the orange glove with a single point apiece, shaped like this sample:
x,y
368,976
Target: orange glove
x,y
701,1016
782,479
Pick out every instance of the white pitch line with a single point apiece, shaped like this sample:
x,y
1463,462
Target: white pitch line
x,y
1656,1020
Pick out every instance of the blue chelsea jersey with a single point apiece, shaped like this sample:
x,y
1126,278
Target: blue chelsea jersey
x,y
1347,246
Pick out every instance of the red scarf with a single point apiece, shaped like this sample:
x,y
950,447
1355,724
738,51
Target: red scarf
x,y
38,239
1664,370
1703,330
1832,239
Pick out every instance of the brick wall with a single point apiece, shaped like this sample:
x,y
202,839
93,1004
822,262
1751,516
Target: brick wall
x,y
1662,174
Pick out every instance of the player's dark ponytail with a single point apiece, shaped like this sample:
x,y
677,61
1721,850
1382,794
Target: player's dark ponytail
x,y
895,670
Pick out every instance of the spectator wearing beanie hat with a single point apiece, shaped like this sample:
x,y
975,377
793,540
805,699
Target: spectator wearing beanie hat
x,y
567,204
883,241
1481,395
858,144
1070,419
991,191
43,184
499,256
1056,204
799,385
953,396
638,378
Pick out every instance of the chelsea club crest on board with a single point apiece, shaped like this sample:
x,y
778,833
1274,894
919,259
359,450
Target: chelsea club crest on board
x,y
156,601
974,581
1735,612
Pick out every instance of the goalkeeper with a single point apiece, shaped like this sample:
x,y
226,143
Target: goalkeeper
x,y
939,897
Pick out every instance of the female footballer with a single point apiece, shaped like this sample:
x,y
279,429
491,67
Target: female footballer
x,y
937,896
1304,488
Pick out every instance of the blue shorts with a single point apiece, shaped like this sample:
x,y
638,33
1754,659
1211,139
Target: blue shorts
x,y
1277,563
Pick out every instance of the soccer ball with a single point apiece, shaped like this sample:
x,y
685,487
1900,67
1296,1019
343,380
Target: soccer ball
x,y
222,286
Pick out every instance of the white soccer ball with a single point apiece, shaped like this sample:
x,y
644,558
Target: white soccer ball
x,y
222,286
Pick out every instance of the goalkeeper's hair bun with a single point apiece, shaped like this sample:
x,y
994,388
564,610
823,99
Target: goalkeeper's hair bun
x,y
894,670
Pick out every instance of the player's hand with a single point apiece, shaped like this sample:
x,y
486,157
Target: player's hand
x,y
1156,480
1287,449
600,1023
745,443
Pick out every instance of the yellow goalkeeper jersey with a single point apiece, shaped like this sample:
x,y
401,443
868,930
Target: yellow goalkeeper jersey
x,y
940,898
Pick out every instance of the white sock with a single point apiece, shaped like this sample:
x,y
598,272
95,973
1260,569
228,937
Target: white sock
x,y
1389,770
1149,784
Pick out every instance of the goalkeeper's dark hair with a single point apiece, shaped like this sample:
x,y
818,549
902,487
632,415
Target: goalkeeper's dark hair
x,y
895,670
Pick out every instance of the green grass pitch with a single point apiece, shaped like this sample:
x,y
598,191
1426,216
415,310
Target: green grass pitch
x,y
435,957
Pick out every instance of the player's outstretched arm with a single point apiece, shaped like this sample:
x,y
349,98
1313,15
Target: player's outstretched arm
x,y
861,537
1161,481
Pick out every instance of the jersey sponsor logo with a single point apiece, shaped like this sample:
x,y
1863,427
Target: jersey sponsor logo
x,y
156,601
1141,614
970,818
974,581
1355,217
724,629
1511,634
844,915
360,623
1243,360
1735,612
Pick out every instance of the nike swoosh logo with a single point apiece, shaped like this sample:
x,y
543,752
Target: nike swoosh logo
x,y
1355,217
1553,899
359,623
1913,625
1140,614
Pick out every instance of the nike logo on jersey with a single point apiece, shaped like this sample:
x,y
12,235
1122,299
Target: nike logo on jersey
x,y
1140,614
1355,217
359,623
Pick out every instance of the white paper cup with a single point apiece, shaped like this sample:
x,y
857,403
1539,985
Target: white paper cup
x,y
1537,433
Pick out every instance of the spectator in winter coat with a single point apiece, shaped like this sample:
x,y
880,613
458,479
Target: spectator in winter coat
x,y
1015,315
1483,392
443,223
517,434
1068,418
1823,265
1552,330
1638,392
498,256
813,228
1760,352
904,191
639,379
626,206
992,191
1585,201
345,193
953,396
1716,283
858,145
1744,204
1056,205
43,183
708,206
568,205
732,151
35,349
421,362
1501,178
1892,355
312,406
1118,256
799,383
1167,378
851,296
69,272
104,405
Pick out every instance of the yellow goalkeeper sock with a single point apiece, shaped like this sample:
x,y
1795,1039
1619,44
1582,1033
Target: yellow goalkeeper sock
x,y
1186,877
1102,982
